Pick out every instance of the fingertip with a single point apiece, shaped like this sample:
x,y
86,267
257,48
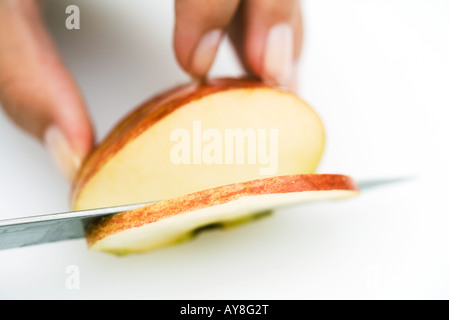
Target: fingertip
x,y
199,28
66,158
278,58
268,39
204,54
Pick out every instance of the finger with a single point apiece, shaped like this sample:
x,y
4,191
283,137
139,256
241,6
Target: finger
x,y
267,36
199,28
37,91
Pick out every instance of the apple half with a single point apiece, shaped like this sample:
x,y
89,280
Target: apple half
x,y
216,152
175,220
139,161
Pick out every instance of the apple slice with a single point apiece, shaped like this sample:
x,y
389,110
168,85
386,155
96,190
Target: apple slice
x,y
172,221
200,136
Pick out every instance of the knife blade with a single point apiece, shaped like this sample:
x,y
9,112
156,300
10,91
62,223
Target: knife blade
x,y
34,230
27,231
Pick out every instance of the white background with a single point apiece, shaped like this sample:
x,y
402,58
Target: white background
x,y
378,74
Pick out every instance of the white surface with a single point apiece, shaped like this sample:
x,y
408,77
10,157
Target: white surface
x,y
378,74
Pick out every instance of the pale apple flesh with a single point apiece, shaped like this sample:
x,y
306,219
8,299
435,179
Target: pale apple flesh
x,y
221,152
135,163
173,221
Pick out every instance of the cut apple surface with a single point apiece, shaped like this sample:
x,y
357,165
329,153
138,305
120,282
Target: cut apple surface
x,y
216,153
172,221
201,136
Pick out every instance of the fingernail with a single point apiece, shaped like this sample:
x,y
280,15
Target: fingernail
x,y
278,61
205,52
62,153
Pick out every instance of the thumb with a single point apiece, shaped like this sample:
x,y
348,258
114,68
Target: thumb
x,y
37,91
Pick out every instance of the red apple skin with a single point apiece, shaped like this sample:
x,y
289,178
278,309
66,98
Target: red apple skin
x,y
148,113
215,196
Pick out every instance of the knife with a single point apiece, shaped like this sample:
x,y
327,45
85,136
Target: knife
x,y
27,231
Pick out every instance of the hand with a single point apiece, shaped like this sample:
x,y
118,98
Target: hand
x,y
41,96
267,35
36,90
